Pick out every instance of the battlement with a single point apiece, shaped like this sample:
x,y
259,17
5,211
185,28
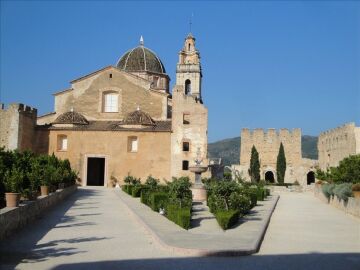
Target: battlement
x,y
270,133
18,107
346,126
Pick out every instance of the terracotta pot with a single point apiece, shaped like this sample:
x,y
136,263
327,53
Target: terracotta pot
x,y
356,194
12,199
44,190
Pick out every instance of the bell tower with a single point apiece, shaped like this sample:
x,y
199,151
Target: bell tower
x,y
188,69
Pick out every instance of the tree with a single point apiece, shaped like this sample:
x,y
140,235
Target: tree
x,y
254,170
281,165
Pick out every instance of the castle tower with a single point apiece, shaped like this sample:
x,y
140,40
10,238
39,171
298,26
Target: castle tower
x,y
189,115
188,70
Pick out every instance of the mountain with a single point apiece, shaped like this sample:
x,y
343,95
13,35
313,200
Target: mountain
x,y
229,149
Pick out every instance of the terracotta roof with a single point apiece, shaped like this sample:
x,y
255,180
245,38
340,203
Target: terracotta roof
x,y
71,117
138,117
159,126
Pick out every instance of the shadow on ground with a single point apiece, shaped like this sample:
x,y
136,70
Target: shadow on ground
x,y
23,245
311,261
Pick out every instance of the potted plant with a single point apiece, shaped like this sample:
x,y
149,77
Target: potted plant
x,y
356,190
13,181
45,180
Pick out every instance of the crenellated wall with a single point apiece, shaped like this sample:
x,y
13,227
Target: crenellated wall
x,y
17,126
338,143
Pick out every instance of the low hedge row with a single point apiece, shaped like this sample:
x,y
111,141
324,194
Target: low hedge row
x,y
227,219
158,200
180,216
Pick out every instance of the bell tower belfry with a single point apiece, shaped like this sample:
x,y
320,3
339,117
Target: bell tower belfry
x,y
188,69
189,114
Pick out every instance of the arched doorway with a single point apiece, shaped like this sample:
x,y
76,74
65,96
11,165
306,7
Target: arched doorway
x,y
269,177
187,87
310,178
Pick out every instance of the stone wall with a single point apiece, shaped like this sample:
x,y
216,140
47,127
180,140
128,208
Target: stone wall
x,y
195,132
86,97
153,155
13,219
17,129
336,144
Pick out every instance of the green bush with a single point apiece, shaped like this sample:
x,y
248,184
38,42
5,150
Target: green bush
x,y
179,191
180,216
328,190
267,191
239,202
343,191
144,195
151,182
227,219
136,191
158,200
215,203
253,198
260,193
14,180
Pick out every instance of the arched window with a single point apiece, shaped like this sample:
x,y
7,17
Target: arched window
x,y
110,102
189,47
187,87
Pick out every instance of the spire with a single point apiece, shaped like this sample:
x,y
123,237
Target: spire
x,y
141,41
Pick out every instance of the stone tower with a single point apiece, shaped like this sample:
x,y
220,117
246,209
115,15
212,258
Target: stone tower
x,y
188,69
189,115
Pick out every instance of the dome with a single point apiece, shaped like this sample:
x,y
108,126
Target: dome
x,y
71,117
138,117
140,59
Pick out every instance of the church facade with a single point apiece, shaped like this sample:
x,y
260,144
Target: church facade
x,y
122,120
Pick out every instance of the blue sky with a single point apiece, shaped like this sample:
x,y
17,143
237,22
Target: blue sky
x,y
281,64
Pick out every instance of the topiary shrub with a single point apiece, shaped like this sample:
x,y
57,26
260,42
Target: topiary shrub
x,y
227,219
180,216
343,191
144,196
158,200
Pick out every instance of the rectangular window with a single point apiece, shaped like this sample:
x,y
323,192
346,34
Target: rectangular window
x,y
186,146
62,143
132,144
185,165
111,102
186,118
156,81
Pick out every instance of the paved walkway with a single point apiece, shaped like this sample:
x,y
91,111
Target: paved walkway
x,y
91,230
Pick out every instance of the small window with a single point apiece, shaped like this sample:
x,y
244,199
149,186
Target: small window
x,y
132,144
111,102
110,76
186,118
62,143
185,165
155,81
187,87
186,146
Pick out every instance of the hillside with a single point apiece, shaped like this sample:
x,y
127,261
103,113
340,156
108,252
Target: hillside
x,y
229,149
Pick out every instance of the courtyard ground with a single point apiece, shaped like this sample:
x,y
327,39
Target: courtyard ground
x,y
92,230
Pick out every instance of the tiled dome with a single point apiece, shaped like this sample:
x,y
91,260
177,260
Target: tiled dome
x,y
141,59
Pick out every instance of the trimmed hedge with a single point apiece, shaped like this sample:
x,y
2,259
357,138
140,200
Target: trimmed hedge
x,y
136,191
260,192
158,200
227,219
253,198
145,196
180,216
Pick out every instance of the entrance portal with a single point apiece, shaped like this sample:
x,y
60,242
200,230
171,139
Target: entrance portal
x,y
269,177
310,177
95,171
